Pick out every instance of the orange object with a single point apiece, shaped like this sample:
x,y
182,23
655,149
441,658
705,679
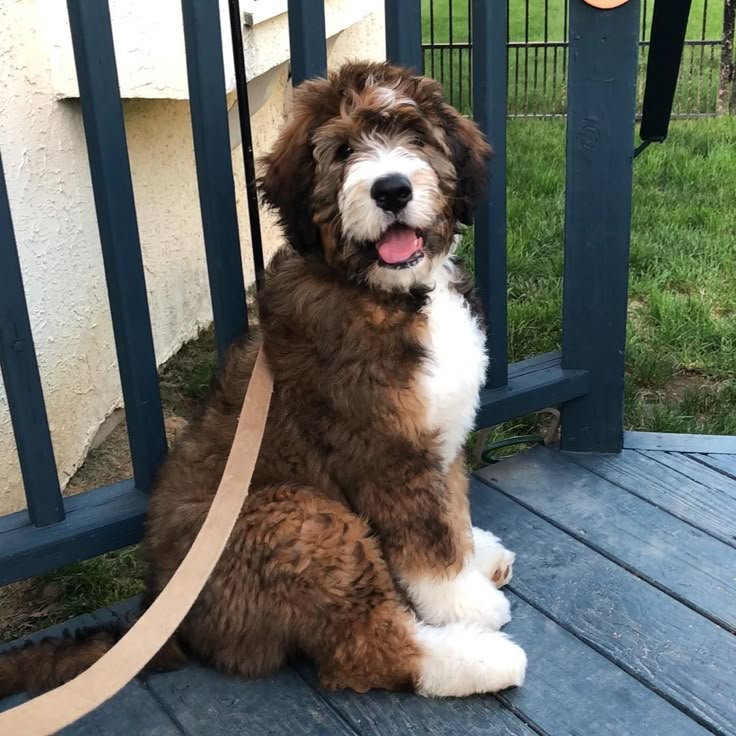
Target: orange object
x,y
605,4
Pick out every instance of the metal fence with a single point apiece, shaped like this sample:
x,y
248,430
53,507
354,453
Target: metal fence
x,y
537,35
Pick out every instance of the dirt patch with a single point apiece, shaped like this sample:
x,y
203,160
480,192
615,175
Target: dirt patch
x,y
679,386
683,383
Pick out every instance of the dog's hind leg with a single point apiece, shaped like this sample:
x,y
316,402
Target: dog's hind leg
x,y
304,573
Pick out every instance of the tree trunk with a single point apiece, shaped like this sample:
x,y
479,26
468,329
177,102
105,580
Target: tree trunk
x,y
727,78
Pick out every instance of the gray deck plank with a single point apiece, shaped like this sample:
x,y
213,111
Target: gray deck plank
x,y
674,650
697,471
673,442
725,464
132,712
561,667
379,713
710,511
207,702
695,567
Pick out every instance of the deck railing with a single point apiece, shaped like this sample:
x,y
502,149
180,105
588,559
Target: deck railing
x,y
586,378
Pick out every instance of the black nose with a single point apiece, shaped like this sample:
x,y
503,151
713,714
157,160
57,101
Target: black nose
x,y
392,193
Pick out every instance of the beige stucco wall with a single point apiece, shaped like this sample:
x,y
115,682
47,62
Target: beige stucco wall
x,y
42,144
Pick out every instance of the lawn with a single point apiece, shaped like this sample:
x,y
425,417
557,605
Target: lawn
x,y
537,75
681,351
531,15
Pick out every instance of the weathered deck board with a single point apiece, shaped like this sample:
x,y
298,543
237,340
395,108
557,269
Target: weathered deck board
x,y
207,702
560,668
724,464
132,712
669,490
713,479
398,714
673,442
675,556
609,652
668,646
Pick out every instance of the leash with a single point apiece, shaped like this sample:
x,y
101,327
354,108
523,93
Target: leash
x,y
56,709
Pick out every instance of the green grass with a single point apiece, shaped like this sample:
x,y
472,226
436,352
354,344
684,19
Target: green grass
x,y
681,351
70,591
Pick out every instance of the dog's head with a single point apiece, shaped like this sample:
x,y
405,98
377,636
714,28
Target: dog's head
x,y
375,171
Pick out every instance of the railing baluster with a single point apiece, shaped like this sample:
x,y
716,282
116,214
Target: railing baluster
x,y
307,39
449,93
246,139
23,383
404,34
431,37
600,131
489,107
104,130
470,54
206,76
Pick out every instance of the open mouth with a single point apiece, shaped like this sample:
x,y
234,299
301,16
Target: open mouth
x,y
400,247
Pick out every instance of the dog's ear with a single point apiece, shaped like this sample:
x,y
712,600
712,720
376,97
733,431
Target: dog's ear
x,y
470,154
288,172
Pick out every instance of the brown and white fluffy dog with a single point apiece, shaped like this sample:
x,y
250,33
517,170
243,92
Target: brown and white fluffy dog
x,y
355,545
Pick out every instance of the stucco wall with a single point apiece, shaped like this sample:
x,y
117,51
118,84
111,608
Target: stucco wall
x,y
46,167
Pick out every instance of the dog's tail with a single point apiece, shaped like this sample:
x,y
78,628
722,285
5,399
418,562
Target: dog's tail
x,y
35,667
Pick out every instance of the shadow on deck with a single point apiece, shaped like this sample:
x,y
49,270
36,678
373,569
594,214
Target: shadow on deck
x,y
624,596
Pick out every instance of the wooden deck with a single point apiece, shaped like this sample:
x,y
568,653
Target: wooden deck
x,y
624,596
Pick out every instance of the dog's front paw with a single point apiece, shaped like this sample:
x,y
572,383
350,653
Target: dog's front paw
x,y
467,597
492,558
463,659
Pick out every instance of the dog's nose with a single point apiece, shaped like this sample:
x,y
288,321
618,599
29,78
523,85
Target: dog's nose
x,y
392,193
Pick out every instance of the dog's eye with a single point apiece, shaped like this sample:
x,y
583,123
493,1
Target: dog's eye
x,y
343,152
418,141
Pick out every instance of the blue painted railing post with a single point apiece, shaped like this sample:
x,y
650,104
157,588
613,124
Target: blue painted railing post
x,y
210,130
104,131
23,383
600,137
404,33
307,39
489,107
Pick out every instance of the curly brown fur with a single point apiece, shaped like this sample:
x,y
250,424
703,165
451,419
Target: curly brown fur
x,y
355,519
37,666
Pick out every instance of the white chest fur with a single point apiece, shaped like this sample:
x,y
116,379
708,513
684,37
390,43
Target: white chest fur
x,y
454,370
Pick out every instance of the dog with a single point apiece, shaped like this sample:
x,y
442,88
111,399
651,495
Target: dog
x,y
355,546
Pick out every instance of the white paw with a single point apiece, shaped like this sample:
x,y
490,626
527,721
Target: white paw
x,y
463,659
492,558
468,596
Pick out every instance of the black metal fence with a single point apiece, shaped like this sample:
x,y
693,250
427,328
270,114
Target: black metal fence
x,y
537,35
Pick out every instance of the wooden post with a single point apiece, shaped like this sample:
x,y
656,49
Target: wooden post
x,y
490,110
19,369
404,33
112,186
600,141
212,155
307,40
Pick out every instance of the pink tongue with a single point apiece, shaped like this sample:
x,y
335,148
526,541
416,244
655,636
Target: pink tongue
x,y
399,245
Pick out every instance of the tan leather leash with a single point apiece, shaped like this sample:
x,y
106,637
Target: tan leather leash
x,y
58,708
